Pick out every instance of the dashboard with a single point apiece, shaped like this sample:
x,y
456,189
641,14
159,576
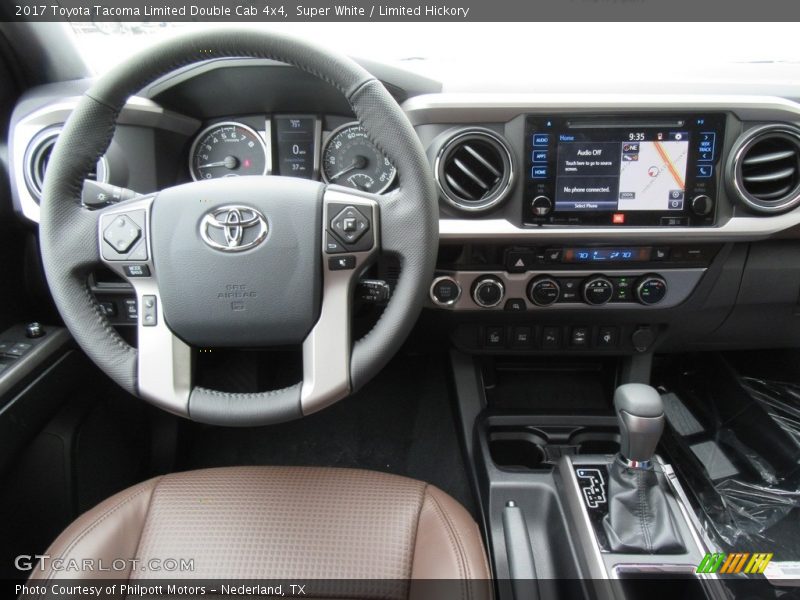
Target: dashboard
x,y
588,223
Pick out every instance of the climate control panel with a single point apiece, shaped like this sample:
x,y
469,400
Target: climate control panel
x,y
554,290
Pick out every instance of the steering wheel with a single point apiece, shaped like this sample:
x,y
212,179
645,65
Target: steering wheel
x,y
240,261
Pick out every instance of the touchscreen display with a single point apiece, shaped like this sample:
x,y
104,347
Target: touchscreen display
x,y
639,170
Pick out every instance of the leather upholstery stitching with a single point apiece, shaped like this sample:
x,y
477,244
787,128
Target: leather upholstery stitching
x,y
455,544
99,520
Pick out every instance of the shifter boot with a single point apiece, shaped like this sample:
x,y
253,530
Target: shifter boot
x,y
639,519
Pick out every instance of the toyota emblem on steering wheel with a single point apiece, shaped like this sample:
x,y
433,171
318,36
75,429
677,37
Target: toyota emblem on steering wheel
x,y
233,228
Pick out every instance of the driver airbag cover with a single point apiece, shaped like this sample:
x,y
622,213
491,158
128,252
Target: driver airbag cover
x,y
264,295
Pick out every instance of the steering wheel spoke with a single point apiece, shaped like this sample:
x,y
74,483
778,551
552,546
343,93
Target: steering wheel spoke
x,y
164,368
351,239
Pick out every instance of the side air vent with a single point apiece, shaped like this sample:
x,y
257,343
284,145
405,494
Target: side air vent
x,y
37,157
474,170
766,168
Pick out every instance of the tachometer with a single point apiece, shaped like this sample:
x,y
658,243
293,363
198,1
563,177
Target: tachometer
x,y
351,159
227,149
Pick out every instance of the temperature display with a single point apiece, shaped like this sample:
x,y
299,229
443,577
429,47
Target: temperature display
x,y
296,136
589,255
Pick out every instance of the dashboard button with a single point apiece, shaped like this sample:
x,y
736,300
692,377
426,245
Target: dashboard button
x,y
579,337
495,337
597,290
607,337
445,291
519,261
541,206
488,292
515,305
660,254
522,337
551,338
544,291
651,289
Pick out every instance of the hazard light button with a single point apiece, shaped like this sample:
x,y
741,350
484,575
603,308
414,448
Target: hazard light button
x,y
519,261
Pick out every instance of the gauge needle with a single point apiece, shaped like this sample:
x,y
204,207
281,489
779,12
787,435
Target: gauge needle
x,y
359,162
230,162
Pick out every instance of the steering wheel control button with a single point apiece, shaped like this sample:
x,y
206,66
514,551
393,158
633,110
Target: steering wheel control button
x,y
544,291
651,289
515,305
488,292
342,263
136,270
333,245
350,225
445,291
598,291
131,309
149,311
122,234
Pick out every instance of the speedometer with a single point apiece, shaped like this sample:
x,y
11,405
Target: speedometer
x,y
351,159
227,149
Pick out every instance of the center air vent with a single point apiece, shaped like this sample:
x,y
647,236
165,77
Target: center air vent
x,y
474,170
37,157
766,168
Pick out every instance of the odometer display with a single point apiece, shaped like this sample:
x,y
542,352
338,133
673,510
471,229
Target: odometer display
x,y
227,150
352,160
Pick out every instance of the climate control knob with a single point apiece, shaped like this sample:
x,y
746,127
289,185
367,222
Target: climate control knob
x,y
597,290
651,289
544,291
488,291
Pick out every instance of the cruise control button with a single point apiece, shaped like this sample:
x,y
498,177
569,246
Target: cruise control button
x,y
350,225
122,233
342,263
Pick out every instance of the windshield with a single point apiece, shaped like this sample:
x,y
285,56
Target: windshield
x,y
515,55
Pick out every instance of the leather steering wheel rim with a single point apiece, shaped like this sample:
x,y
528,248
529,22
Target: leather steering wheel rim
x,y
69,232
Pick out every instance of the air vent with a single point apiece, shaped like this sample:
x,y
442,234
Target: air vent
x,y
37,157
767,168
474,170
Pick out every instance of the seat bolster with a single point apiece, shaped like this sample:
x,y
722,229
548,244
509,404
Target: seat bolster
x,y
107,533
448,543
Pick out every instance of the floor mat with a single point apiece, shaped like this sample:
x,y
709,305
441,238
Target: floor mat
x,y
402,422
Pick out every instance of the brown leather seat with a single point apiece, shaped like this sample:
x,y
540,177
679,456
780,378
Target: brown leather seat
x,y
277,523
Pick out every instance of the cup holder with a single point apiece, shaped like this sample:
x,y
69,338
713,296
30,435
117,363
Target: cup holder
x,y
540,447
595,442
517,451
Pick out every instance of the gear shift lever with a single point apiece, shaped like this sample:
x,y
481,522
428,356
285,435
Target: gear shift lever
x,y
640,412
639,518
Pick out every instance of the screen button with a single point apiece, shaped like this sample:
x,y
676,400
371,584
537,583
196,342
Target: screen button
x,y
705,171
540,156
541,139
539,172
